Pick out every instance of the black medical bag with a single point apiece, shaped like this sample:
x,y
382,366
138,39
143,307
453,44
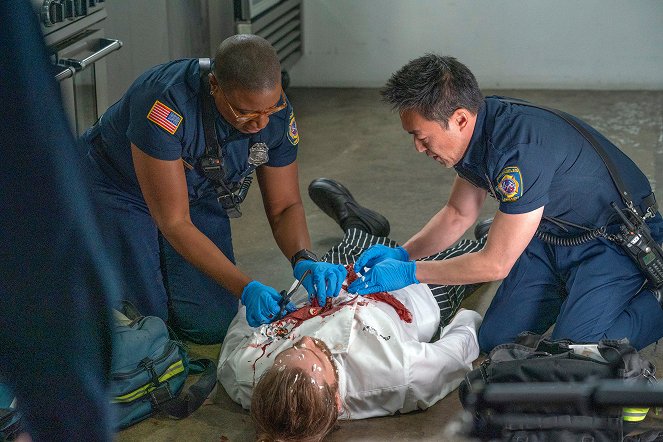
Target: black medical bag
x,y
534,360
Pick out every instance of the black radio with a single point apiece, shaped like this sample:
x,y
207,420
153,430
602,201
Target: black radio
x,y
212,168
635,238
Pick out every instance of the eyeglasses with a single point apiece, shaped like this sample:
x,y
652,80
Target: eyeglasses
x,y
246,117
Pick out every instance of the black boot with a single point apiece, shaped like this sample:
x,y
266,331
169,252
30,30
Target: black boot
x,y
481,229
337,202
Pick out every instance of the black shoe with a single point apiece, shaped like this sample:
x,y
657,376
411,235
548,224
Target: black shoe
x,y
481,229
337,202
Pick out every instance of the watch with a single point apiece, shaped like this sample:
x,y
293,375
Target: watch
x,y
302,254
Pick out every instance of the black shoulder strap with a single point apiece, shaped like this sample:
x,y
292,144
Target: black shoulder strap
x,y
612,170
194,395
212,147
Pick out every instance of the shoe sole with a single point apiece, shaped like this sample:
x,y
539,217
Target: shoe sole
x,y
318,196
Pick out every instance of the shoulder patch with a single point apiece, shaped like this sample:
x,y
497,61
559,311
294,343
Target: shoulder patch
x,y
510,184
164,117
293,134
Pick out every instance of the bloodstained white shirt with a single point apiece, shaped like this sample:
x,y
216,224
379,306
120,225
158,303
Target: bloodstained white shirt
x,y
385,364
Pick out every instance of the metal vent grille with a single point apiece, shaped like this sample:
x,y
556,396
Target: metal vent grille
x,y
280,25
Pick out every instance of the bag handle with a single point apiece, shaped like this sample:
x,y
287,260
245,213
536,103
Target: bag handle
x,y
190,399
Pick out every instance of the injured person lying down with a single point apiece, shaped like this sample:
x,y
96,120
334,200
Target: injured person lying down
x,y
356,357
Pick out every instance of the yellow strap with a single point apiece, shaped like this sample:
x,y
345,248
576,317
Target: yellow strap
x,y
173,370
635,414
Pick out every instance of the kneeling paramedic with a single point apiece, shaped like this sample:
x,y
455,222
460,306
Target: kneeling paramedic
x,y
576,237
173,159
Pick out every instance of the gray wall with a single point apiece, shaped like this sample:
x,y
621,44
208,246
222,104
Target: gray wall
x,y
154,32
588,44
550,44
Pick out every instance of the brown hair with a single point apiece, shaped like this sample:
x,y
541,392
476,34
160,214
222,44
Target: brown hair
x,y
288,405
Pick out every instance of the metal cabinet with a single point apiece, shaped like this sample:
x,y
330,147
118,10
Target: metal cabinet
x,y
280,23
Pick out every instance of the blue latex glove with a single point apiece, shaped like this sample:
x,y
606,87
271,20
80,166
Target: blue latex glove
x,y
384,276
262,304
379,253
324,281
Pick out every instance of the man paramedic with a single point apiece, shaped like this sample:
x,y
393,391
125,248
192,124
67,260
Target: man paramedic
x,y
549,181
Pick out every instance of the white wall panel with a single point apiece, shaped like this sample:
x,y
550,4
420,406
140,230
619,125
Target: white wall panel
x,y
588,44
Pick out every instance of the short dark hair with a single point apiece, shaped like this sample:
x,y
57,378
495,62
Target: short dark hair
x,y
435,87
246,61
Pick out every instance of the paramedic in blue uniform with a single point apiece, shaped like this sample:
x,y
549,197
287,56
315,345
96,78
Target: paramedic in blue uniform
x,y
161,212
538,167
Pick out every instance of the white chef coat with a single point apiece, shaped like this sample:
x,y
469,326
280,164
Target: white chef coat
x,y
385,365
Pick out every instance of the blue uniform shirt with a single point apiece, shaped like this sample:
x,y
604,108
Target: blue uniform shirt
x,y
160,114
528,158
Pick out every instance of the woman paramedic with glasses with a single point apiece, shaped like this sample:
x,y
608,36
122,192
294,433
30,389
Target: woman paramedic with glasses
x,y
165,212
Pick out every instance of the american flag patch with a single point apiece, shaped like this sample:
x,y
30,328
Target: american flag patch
x,y
164,117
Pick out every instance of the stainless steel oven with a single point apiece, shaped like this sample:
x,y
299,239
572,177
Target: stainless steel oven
x,y
73,32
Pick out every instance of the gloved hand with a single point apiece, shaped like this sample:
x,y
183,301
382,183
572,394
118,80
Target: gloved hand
x,y
379,253
262,304
324,281
384,276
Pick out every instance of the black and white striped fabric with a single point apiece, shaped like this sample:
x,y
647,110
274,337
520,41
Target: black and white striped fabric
x,y
448,297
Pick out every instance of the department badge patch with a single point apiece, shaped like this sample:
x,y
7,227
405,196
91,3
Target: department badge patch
x,y
258,154
293,134
510,184
164,117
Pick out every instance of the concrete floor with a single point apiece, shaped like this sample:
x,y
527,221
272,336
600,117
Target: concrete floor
x,y
351,136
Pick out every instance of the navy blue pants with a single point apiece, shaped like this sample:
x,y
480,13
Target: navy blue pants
x,y
199,307
589,292
157,280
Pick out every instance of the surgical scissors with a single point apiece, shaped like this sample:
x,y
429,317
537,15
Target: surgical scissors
x,y
285,297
